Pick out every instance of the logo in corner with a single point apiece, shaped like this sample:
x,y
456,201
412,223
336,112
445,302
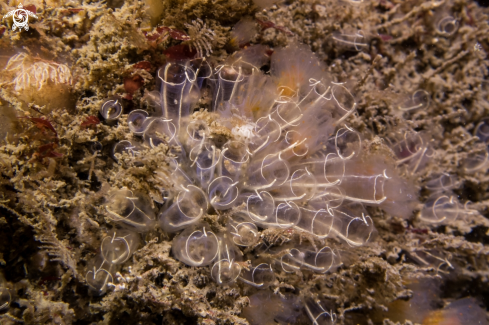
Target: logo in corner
x,y
20,17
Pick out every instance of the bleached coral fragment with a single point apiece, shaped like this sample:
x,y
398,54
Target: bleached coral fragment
x,y
36,72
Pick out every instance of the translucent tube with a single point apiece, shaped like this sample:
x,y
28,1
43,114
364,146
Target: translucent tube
x,y
287,215
318,223
271,171
177,91
296,145
234,156
255,99
228,79
111,110
431,258
223,193
447,26
226,270
287,112
126,146
202,70
328,169
442,183
329,198
187,209
138,121
197,132
352,225
482,130
333,169
420,99
133,210
260,208
320,261
440,209
478,161
160,131
347,143
206,157
352,41
412,150
364,185
303,184
408,147
267,131
100,273
343,102
196,246
95,146
244,232
318,314
118,247
260,276
292,261
174,175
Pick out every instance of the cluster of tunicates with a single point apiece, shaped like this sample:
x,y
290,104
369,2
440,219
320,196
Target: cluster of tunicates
x,y
115,250
479,161
287,161
413,151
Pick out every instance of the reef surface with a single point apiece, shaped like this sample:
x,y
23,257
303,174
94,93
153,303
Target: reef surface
x,y
379,104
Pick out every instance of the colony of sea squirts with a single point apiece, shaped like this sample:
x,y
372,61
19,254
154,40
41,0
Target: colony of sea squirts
x,y
290,162
250,186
